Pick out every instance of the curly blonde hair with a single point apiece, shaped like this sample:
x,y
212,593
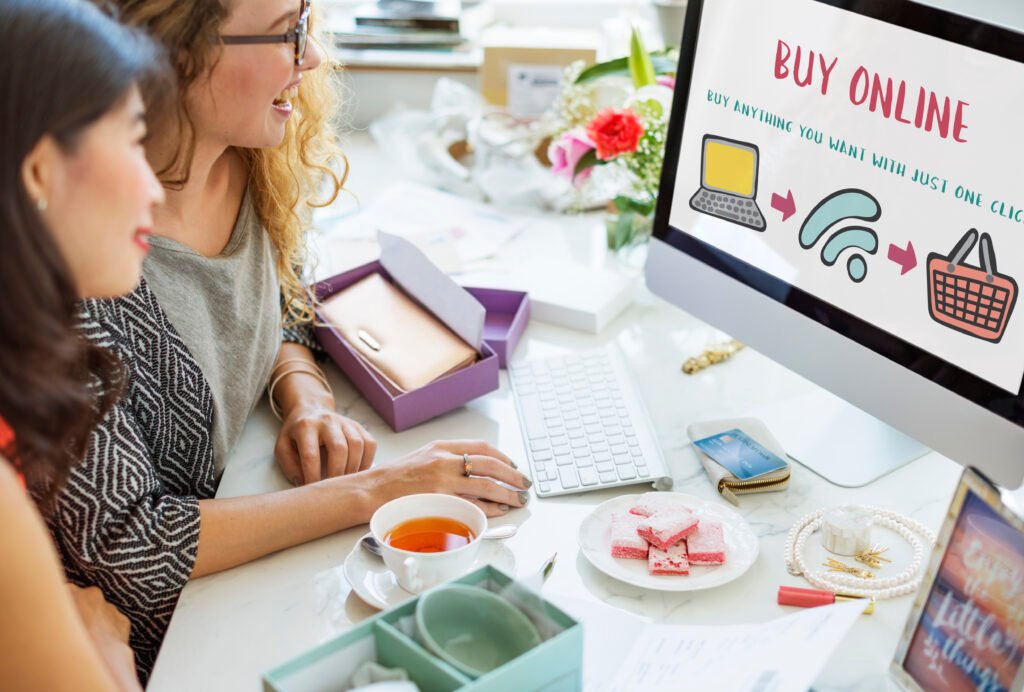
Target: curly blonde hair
x,y
307,170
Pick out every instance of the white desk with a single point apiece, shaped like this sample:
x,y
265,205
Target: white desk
x,y
230,627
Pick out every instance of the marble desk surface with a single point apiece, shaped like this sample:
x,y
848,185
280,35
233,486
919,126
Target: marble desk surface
x,y
229,628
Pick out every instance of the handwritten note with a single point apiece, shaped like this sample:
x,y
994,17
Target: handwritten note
x,y
784,655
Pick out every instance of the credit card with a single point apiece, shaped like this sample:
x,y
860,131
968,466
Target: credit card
x,y
744,456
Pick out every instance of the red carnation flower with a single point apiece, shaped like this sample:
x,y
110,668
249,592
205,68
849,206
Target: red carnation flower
x,y
615,132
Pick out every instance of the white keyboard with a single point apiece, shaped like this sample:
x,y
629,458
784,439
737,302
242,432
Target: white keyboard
x,y
584,425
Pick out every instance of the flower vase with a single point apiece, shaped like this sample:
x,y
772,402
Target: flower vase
x,y
628,232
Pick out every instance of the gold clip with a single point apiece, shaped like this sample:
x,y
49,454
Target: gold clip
x,y
872,557
837,566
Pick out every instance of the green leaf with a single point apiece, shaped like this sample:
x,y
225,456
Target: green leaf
x,y
588,160
640,67
663,62
627,205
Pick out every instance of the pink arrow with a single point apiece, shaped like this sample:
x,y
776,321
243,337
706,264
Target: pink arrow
x,y
907,259
784,204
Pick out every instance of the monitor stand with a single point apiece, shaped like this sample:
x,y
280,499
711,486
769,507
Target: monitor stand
x,y
838,441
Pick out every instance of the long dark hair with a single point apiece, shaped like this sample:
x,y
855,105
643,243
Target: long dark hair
x,y
63,65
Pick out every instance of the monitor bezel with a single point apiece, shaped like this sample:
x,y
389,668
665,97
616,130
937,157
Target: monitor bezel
x,y
965,31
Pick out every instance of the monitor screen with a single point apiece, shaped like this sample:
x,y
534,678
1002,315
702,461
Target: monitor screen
x,y
860,161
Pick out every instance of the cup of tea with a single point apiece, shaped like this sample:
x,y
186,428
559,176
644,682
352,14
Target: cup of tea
x,y
429,538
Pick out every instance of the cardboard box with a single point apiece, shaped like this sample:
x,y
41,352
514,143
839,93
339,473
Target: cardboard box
x,y
514,49
554,666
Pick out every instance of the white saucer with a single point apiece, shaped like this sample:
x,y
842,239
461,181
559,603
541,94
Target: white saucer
x,y
375,583
741,546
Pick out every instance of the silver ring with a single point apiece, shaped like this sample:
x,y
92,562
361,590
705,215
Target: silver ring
x,y
467,466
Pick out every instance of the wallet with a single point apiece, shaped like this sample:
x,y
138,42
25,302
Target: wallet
x,y
403,343
727,484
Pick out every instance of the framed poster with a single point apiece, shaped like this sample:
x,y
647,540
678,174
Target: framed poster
x,y
966,629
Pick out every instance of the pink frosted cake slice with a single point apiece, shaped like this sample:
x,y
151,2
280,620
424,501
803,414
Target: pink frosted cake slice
x,y
625,540
667,527
706,546
672,561
652,503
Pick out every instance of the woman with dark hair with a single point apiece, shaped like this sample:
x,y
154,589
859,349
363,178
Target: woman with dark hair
x,y
76,201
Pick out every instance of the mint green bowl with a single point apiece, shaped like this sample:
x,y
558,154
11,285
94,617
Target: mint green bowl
x,y
473,629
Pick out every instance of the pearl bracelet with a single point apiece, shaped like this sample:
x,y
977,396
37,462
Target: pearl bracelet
x,y
907,581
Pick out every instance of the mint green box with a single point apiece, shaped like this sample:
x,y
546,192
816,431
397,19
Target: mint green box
x,y
554,666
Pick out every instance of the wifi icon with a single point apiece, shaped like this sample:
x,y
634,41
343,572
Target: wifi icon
x,y
839,206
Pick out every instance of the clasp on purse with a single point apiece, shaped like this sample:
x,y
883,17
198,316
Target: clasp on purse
x,y
368,340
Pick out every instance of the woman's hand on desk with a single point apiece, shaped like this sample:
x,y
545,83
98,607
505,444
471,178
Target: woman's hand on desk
x,y
310,428
440,467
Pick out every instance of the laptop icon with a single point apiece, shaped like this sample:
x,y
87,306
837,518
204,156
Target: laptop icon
x,y
728,182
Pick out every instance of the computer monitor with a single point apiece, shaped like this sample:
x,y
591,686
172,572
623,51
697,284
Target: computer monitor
x,y
841,191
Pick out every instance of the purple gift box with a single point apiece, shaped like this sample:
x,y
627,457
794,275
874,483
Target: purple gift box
x,y
507,315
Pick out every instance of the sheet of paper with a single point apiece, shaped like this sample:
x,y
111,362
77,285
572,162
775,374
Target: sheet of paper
x,y
453,231
784,655
410,269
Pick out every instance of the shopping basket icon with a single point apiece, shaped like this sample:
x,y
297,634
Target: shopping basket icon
x,y
972,300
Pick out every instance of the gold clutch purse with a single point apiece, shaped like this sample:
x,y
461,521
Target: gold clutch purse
x,y
403,343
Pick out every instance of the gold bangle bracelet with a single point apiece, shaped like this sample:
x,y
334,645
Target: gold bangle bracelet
x,y
316,373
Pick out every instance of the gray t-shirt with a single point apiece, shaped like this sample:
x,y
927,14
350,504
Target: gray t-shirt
x,y
227,310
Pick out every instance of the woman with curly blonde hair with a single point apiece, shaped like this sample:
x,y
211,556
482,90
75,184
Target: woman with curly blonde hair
x,y
244,153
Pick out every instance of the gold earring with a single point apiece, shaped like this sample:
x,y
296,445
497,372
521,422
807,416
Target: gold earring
x,y
41,204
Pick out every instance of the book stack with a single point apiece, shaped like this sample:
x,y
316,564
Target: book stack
x,y
421,24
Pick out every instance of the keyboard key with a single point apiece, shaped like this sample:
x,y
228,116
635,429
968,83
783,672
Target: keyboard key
x,y
580,452
561,449
576,435
588,477
532,418
626,473
544,487
643,471
605,467
619,449
539,444
579,443
582,462
543,455
608,477
564,460
624,459
602,456
568,478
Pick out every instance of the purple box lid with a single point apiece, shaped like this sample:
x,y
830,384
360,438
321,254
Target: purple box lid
x,y
508,313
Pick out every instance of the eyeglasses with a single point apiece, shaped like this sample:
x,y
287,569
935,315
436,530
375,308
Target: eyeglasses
x,y
299,36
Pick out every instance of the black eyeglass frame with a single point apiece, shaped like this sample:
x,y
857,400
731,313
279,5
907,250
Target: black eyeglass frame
x,y
299,36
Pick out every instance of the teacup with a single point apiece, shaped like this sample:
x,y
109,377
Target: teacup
x,y
417,571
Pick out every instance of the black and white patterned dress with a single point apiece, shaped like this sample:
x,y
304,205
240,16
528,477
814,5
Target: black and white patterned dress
x,y
127,520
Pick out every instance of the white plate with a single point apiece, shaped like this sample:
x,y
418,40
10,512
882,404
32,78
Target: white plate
x,y
741,547
375,583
